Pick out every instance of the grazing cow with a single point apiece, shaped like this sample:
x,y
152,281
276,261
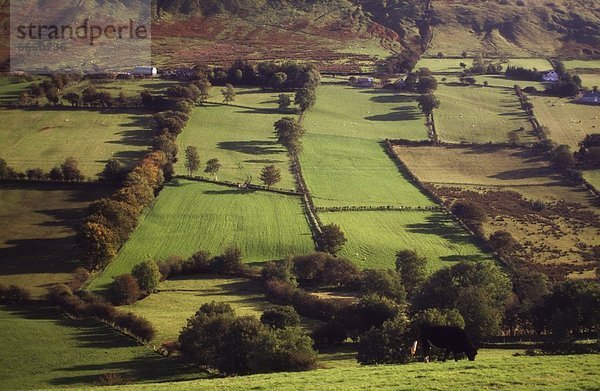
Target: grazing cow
x,y
453,339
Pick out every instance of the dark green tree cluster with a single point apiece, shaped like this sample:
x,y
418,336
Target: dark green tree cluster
x,y
289,133
216,338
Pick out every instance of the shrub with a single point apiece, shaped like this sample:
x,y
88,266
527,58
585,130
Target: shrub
x,y
468,211
58,291
16,295
280,271
332,239
502,241
385,283
147,275
318,269
200,262
136,325
538,205
215,338
280,291
389,344
230,262
124,290
113,379
330,333
280,317
370,311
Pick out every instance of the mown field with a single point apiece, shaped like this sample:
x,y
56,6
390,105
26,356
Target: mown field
x,y
43,349
452,65
568,122
190,216
493,370
491,175
375,237
364,113
179,298
240,135
479,115
345,171
38,225
43,138
590,80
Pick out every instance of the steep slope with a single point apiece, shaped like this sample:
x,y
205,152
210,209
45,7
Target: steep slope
x,y
511,27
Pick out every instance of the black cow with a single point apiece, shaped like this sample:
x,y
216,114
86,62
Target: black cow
x,y
453,339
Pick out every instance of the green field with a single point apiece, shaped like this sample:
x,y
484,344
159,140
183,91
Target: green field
x,y
190,216
43,138
375,237
128,87
593,177
582,64
11,89
42,349
568,122
590,80
364,113
240,135
498,81
179,298
452,65
492,370
479,115
38,225
344,171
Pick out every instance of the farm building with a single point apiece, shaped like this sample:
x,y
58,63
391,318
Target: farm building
x,y
551,76
590,98
144,71
362,82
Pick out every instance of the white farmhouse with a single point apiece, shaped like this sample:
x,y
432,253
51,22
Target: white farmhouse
x,y
551,76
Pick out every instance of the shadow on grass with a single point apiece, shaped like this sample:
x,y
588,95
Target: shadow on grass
x,y
252,147
404,113
441,225
145,365
33,249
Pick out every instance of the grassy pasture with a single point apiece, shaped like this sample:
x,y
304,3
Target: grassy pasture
x,y
590,80
375,237
37,232
593,177
493,369
364,113
344,171
498,81
569,214
190,216
568,122
240,135
129,87
452,65
178,299
581,64
43,138
42,349
11,88
526,171
480,115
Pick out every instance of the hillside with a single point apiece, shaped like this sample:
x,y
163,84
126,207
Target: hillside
x,y
537,27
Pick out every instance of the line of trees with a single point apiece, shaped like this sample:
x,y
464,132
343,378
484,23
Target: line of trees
x,y
67,171
111,220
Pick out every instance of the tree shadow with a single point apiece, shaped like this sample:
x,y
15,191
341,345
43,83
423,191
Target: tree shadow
x,y
263,161
230,190
252,147
443,226
405,113
24,254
